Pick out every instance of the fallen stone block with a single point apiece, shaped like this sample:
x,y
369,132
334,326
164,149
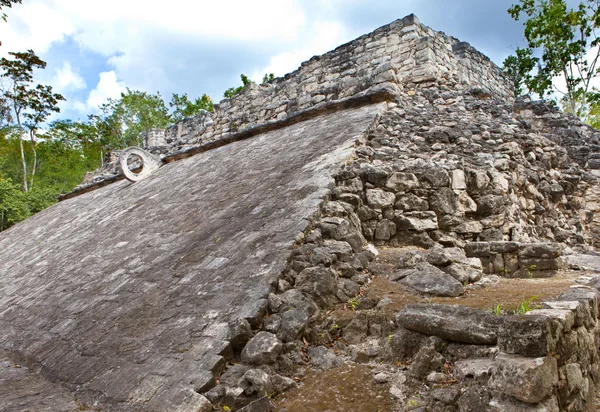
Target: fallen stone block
x,y
529,380
453,323
262,349
427,278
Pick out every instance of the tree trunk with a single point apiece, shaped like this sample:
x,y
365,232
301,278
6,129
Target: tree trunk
x,y
25,189
32,137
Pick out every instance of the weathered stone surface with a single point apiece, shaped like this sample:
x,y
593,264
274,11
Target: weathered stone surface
x,y
318,282
405,344
417,221
453,323
427,278
411,202
490,205
443,201
426,361
531,336
508,403
255,381
527,379
262,349
380,199
402,182
323,358
169,260
261,405
479,368
540,250
477,249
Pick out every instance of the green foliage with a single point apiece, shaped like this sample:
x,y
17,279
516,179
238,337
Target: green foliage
x,y
526,305
22,101
121,121
268,78
566,40
232,91
13,206
353,303
183,107
498,309
518,69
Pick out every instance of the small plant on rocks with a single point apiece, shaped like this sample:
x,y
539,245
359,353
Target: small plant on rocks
x,y
526,305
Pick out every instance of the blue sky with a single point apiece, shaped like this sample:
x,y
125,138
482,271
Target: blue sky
x,y
95,49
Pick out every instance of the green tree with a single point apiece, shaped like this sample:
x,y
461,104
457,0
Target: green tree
x,y
122,120
20,94
183,107
232,91
566,41
519,68
42,103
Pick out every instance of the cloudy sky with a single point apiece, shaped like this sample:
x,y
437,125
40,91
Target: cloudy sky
x,y
96,48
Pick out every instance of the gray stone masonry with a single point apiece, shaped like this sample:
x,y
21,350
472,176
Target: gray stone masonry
x,y
405,53
125,294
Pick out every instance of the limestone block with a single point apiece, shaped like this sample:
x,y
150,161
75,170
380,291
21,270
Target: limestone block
x,y
534,335
459,181
470,226
262,349
380,199
529,380
464,203
385,230
507,403
402,182
319,282
417,221
453,323
540,250
478,368
535,264
504,247
477,249
427,278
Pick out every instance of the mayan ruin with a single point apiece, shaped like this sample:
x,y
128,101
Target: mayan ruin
x,y
387,228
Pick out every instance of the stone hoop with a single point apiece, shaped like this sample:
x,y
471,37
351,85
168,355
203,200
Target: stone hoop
x,y
150,163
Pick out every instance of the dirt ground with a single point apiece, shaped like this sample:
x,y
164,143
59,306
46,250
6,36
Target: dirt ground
x,y
348,388
509,293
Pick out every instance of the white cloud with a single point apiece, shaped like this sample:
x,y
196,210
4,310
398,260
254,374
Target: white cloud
x,y
108,88
323,36
66,79
34,25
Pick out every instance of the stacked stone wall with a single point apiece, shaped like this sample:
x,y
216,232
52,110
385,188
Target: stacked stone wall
x,y
514,258
456,167
404,53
